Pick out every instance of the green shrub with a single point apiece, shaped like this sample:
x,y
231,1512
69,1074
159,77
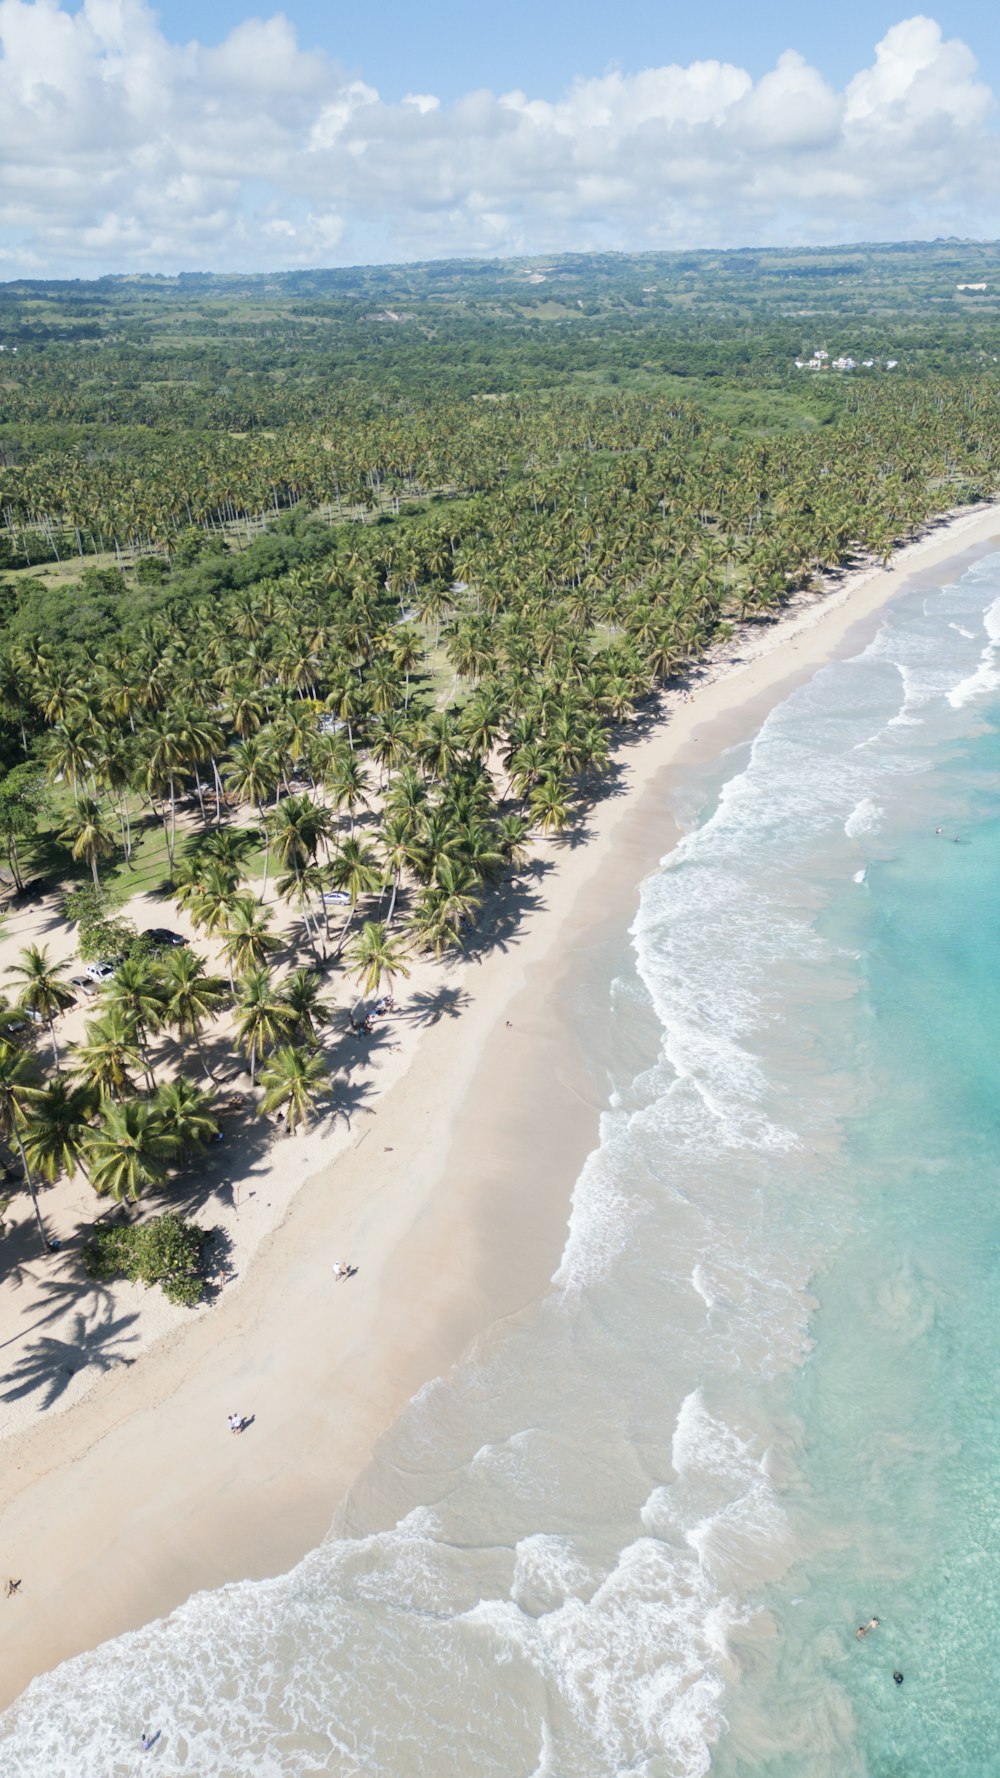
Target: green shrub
x,y
164,1251
101,931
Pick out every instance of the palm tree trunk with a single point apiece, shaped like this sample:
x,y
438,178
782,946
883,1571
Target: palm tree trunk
x,y
344,930
203,1058
218,791
392,900
31,1187
200,791
172,835
267,863
14,861
55,1046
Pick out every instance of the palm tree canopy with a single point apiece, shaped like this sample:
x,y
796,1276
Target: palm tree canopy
x,y
375,954
109,1055
184,1115
302,992
192,996
44,988
127,1150
55,1121
263,1019
293,1080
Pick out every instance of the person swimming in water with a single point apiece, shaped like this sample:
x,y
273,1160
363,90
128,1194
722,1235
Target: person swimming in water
x,y
898,1677
866,1629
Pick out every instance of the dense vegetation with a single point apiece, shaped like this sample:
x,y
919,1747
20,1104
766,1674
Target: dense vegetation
x,y
166,1251
356,579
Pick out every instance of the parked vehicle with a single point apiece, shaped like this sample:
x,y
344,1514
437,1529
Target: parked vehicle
x,y
22,1016
336,898
100,972
164,939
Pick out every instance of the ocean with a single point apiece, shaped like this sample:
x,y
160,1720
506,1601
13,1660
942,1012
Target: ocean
x,y
635,1533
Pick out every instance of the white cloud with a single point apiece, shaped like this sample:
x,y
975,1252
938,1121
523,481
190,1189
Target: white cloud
x,y
120,149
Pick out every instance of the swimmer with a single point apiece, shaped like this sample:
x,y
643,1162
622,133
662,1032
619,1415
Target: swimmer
x,y
866,1629
898,1677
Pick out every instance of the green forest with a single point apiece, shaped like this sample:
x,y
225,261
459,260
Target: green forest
x,y
324,595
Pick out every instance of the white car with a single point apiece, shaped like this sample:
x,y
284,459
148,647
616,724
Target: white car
x,y
336,898
99,972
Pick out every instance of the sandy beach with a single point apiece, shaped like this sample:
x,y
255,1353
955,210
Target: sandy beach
x,y
448,1188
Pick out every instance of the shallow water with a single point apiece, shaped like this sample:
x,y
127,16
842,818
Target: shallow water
x,y
636,1534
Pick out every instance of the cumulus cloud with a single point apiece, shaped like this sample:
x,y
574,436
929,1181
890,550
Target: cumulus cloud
x,y
120,149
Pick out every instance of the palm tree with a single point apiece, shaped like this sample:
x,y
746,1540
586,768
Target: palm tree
x,y
549,805
17,1074
136,991
192,997
210,890
252,776
302,992
446,907
293,1079
298,827
108,1056
263,1019
84,829
354,868
374,955
55,1120
246,941
437,745
348,784
389,743
44,993
184,1116
165,744
128,1150
397,847
69,754
228,846
512,837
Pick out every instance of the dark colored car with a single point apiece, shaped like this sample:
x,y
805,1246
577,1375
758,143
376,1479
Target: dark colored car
x,y
167,940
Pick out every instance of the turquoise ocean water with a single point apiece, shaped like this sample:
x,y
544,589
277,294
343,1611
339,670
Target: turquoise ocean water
x,y
635,1533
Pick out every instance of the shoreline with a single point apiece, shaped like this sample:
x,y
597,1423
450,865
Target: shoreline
x,y
439,1199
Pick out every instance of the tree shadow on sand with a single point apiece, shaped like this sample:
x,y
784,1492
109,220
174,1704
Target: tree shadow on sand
x,y
48,1365
349,1097
429,1008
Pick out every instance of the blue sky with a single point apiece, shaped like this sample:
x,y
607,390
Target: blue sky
x,y
219,137
451,46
